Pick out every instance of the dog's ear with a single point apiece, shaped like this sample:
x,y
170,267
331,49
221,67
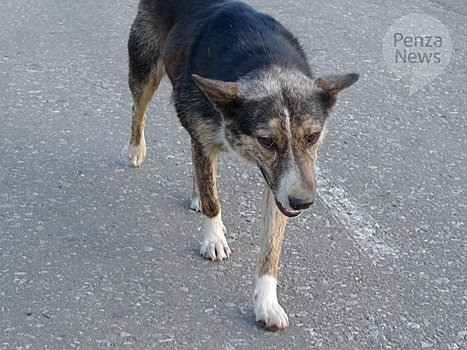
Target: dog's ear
x,y
221,93
331,85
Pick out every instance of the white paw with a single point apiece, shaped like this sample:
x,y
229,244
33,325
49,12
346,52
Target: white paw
x,y
195,204
269,314
214,244
136,154
215,250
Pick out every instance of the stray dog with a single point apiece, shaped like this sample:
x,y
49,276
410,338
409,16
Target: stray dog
x,y
241,83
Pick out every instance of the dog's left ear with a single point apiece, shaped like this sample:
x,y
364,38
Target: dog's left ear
x,y
222,94
331,85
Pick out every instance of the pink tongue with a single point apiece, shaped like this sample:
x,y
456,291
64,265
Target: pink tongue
x,y
289,210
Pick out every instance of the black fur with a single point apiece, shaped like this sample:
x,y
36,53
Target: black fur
x,y
232,41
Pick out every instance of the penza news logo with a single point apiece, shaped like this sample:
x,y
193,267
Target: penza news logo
x,y
411,49
417,48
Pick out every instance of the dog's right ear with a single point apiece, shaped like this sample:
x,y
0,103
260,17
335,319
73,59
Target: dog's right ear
x,y
222,94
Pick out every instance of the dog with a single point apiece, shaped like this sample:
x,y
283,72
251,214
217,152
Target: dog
x,y
241,83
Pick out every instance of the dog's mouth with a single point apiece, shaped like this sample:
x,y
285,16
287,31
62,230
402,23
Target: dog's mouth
x,y
287,211
284,210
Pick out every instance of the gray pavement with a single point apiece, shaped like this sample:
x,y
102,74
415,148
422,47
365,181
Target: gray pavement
x,y
95,254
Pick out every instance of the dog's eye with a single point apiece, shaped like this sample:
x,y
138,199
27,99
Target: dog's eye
x,y
312,139
266,142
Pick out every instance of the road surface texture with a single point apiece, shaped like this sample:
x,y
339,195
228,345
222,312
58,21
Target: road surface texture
x,y
96,254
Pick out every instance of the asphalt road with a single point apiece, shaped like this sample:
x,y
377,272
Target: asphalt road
x,y
95,254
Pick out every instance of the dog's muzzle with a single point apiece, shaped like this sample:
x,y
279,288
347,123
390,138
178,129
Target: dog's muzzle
x,y
297,207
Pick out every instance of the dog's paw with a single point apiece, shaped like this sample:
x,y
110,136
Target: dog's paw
x,y
269,314
215,250
214,244
195,204
136,154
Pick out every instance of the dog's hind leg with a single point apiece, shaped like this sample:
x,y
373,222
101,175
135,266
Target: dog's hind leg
x,y
267,309
145,73
195,200
214,244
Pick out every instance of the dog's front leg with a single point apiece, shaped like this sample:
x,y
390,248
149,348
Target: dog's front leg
x,y
214,244
267,309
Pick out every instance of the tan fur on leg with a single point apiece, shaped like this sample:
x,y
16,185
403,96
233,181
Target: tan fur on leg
x,y
214,244
268,312
142,96
195,200
272,232
205,169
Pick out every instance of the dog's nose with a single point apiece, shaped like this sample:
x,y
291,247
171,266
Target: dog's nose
x,y
299,203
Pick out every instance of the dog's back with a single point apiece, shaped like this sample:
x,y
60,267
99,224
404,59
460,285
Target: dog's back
x,y
236,35
209,37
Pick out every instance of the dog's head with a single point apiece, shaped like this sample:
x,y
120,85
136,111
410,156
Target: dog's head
x,y
276,119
